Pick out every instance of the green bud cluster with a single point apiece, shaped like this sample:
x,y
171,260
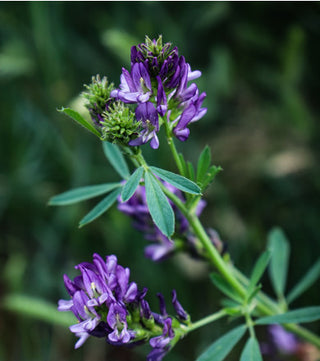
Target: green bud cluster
x,y
155,49
119,124
98,94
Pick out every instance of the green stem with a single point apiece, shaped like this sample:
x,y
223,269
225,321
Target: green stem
x,y
204,321
175,155
250,325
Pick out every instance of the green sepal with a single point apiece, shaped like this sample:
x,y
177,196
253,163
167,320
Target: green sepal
x,y
219,350
100,208
82,193
116,158
132,184
80,120
176,180
159,207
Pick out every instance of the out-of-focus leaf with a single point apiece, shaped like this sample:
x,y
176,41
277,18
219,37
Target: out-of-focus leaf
x,y
211,174
224,287
80,194
302,315
251,351
120,43
221,348
311,276
258,270
36,308
280,250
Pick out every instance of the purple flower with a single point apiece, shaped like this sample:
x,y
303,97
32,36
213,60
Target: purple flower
x,y
145,308
167,335
107,305
162,105
147,114
158,84
117,321
99,300
160,250
181,313
285,341
157,354
134,87
190,114
161,343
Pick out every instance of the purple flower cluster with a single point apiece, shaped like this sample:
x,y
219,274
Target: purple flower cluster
x,y
280,342
136,207
107,305
158,85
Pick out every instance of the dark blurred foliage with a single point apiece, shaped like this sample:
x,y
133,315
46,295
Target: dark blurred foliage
x,y
260,65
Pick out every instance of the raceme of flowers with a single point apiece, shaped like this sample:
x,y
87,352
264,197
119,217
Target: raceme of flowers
x,y
107,305
155,90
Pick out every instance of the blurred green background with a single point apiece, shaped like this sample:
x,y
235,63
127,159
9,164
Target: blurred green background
x,y
260,70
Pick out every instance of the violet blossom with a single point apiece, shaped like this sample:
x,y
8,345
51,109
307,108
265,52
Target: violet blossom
x,y
147,114
106,304
159,78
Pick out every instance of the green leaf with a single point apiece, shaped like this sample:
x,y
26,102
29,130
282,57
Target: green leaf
x,y
100,208
115,157
280,250
211,174
224,287
307,314
159,207
221,348
80,120
183,163
252,295
191,172
203,164
251,351
27,306
176,180
311,276
80,194
258,270
132,184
